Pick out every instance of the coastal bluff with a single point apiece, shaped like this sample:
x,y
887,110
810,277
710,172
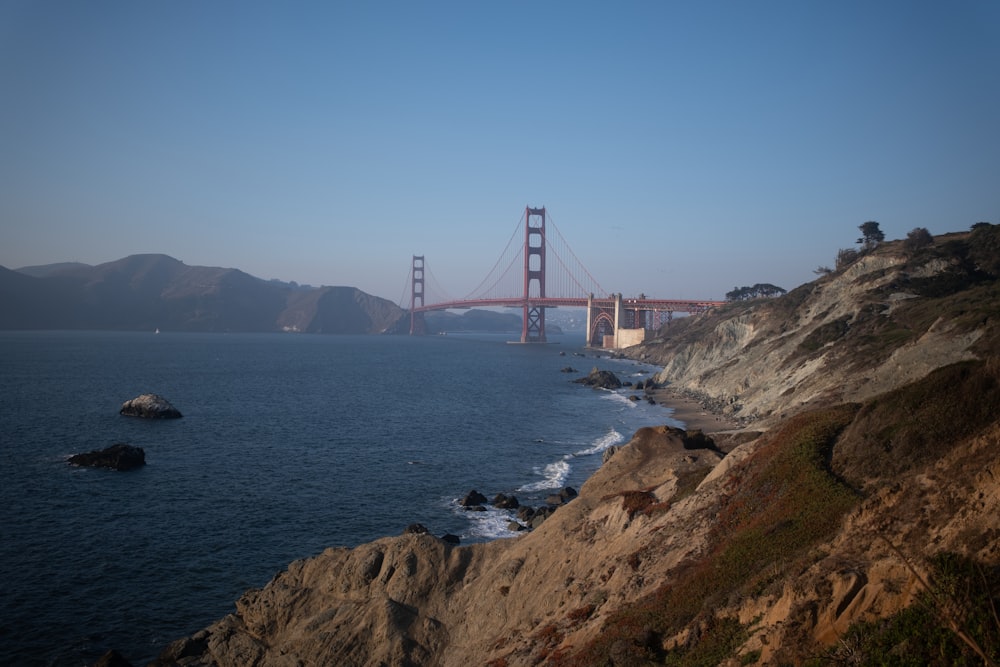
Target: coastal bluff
x,y
850,518
665,550
417,600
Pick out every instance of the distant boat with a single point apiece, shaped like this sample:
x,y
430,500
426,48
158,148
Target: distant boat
x,y
157,330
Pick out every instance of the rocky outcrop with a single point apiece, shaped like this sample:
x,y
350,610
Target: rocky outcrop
x,y
600,379
415,599
117,457
149,406
877,324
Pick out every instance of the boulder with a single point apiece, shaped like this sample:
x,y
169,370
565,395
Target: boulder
x,y
540,515
112,659
599,379
472,498
451,538
149,406
415,529
505,502
117,457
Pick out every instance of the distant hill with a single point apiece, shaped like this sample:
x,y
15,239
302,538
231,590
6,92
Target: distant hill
x,y
44,270
152,291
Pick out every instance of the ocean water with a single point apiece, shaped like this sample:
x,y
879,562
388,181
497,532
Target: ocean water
x,y
289,444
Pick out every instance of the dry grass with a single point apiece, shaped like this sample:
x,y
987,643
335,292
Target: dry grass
x,y
783,501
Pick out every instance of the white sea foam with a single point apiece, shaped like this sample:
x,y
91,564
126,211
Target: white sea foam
x,y
618,398
488,525
553,476
609,439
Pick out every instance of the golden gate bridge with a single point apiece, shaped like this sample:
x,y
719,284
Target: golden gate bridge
x,y
521,279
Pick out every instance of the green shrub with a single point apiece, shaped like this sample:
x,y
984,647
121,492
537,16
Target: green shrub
x,y
963,596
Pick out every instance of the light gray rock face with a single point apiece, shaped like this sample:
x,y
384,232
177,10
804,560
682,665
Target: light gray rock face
x,y
150,406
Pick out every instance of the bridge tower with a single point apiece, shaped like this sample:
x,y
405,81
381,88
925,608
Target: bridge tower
x,y
418,327
533,319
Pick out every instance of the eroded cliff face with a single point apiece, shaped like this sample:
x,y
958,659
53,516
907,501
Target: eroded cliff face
x,y
766,546
849,336
416,600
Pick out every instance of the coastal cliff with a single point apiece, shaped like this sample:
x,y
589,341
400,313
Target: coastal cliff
x,y
852,518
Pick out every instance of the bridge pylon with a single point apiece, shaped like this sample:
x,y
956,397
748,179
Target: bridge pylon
x,y
418,326
533,317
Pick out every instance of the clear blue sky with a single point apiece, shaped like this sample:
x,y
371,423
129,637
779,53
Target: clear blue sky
x,y
682,148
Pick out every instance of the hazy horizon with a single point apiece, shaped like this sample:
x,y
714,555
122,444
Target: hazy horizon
x,y
681,149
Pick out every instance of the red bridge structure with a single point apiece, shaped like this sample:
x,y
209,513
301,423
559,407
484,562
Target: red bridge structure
x,y
519,279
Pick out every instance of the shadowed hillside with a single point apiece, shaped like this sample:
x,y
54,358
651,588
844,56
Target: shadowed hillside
x,y
149,292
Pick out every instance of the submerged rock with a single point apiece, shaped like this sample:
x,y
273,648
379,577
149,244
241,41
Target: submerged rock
x,y
117,457
149,406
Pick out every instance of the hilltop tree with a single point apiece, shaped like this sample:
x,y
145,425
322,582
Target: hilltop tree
x,y
746,293
918,238
871,235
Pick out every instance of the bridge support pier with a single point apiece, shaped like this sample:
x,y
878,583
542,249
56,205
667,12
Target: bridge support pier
x,y
533,315
418,326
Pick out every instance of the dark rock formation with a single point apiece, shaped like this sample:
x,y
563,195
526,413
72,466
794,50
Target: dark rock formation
x,y
112,659
505,502
416,529
600,380
117,457
149,406
540,515
472,498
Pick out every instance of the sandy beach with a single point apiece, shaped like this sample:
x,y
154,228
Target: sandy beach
x,y
694,416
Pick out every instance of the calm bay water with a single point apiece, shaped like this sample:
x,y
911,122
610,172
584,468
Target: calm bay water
x,y
288,445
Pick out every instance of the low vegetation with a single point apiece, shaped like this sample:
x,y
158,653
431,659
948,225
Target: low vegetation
x,y
954,622
782,502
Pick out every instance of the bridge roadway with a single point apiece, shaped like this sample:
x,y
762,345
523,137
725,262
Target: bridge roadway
x,y
665,305
606,319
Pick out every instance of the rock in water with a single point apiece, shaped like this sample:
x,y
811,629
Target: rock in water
x,y
600,380
149,406
118,457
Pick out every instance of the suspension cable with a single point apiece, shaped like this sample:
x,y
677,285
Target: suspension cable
x,y
503,254
600,290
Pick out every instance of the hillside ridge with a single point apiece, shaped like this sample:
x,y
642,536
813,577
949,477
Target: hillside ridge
x,y
149,292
